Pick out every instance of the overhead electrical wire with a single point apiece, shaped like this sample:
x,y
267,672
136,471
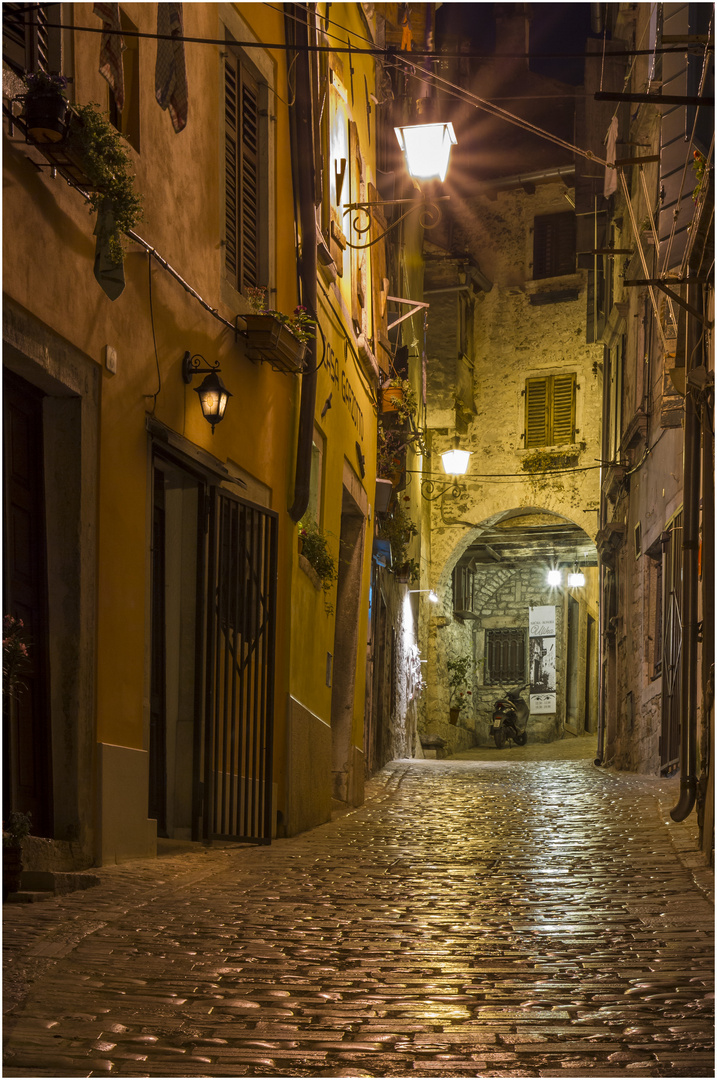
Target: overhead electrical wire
x,y
375,50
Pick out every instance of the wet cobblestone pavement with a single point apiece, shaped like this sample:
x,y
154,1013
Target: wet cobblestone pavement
x,y
477,917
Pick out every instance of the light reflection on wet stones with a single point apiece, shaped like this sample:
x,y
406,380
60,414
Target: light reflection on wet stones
x,y
468,920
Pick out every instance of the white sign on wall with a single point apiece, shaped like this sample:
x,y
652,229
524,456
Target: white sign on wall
x,y
541,633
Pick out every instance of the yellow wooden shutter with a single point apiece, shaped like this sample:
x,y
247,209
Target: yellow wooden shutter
x,y
563,425
231,180
536,412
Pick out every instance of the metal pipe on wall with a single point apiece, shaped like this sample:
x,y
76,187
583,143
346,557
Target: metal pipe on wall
x,y
690,574
302,152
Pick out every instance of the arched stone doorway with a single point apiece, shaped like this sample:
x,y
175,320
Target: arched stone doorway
x,y
518,629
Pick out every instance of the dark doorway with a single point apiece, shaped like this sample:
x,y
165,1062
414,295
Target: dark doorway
x,y
590,673
212,669
27,739
348,598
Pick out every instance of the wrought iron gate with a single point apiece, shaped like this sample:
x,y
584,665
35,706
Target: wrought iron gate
x,y
671,645
239,687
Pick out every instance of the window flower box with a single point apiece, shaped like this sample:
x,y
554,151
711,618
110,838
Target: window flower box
x,y
271,340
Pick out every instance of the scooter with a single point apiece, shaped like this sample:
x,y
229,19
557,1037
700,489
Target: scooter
x,y
510,719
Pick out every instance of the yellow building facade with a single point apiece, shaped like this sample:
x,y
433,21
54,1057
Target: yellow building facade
x,y
189,677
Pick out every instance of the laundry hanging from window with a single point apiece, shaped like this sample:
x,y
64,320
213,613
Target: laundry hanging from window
x,y
170,77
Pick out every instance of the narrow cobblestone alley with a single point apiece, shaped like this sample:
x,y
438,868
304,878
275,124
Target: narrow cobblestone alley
x,y
493,915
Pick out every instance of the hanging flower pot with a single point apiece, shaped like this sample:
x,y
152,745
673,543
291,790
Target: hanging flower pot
x,y
46,108
454,714
270,339
46,118
391,398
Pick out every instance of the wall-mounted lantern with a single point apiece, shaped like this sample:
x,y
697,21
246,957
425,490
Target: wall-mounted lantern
x,y
213,394
555,578
427,149
455,461
576,580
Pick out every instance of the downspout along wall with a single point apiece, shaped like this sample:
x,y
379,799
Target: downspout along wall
x,y
302,152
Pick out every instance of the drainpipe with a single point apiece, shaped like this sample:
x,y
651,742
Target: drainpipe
x,y
601,576
690,547
302,155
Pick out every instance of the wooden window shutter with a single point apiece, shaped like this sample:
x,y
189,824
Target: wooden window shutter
x,y
563,418
231,180
241,157
549,410
554,245
28,43
536,412
249,222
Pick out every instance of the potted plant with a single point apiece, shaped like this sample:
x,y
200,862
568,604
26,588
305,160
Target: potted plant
x,y
14,831
100,162
46,108
390,458
313,547
399,528
458,669
275,337
399,397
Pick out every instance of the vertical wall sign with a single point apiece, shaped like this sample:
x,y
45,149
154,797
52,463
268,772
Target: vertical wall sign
x,y
541,633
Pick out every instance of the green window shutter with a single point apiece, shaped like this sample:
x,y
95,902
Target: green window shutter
x,y
563,418
536,412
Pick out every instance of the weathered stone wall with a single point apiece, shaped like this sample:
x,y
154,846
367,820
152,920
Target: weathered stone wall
x,y
502,599
513,339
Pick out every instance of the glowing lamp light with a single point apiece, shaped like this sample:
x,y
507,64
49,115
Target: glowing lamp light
x,y
427,148
554,577
576,580
432,597
213,394
455,461
213,398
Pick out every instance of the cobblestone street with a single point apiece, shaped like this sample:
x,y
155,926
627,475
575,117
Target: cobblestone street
x,y
488,915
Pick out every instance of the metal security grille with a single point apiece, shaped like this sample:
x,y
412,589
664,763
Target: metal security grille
x,y
504,656
550,410
239,706
671,646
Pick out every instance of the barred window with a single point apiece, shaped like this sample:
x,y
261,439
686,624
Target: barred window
x,y
554,245
504,656
550,410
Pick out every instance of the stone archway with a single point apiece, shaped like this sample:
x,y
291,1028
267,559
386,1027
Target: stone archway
x,y
487,585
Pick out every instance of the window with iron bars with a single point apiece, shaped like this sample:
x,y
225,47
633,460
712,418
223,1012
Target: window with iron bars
x,y
504,656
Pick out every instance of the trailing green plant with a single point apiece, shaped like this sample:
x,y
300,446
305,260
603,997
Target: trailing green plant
x,y
409,569
105,160
699,164
300,322
458,670
15,829
398,528
315,550
545,460
390,448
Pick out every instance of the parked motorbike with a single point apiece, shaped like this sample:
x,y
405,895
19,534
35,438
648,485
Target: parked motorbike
x,y
510,719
